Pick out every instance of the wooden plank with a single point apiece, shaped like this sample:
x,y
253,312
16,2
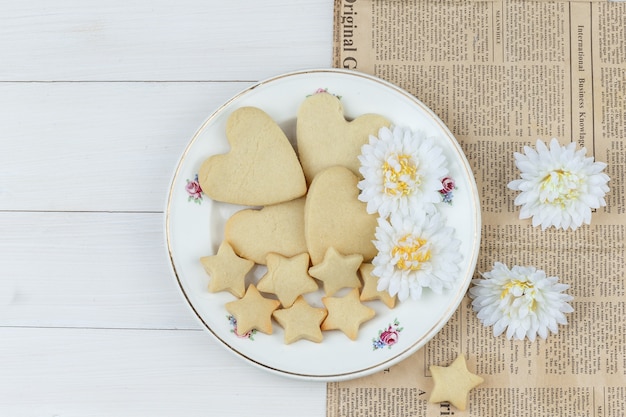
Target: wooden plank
x,y
99,372
105,270
159,40
98,146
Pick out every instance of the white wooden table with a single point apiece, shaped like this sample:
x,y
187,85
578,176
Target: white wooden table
x,y
97,102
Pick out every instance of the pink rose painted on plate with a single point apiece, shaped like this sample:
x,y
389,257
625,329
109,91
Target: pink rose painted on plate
x,y
387,337
323,90
233,324
447,187
194,190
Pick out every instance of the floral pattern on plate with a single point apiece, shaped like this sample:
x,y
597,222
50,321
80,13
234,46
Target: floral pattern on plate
x,y
388,336
324,90
447,190
194,190
233,324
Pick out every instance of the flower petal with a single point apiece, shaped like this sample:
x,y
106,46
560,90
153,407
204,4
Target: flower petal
x,y
523,301
558,185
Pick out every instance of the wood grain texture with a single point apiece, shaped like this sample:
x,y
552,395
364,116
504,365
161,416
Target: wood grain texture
x,y
152,373
162,40
97,102
107,270
98,146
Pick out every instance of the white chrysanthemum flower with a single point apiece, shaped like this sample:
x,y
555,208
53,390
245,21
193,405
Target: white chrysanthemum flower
x,y
402,172
523,301
414,253
559,186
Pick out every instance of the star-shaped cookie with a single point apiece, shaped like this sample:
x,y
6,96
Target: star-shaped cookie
x,y
227,270
370,291
301,321
253,311
453,383
337,271
346,313
287,278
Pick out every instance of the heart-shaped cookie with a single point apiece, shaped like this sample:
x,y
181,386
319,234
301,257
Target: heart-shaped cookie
x,y
334,216
325,138
261,167
278,228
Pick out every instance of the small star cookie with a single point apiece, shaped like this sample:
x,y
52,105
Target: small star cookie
x,y
287,278
346,313
227,271
370,291
453,383
301,321
253,311
337,271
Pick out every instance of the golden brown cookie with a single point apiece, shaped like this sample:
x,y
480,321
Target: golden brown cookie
x,y
453,383
337,271
301,321
325,138
278,228
261,167
287,278
334,216
227,271
370,287
346,314
253,311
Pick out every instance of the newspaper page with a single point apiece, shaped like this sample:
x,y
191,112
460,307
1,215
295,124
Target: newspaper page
x,y
502,74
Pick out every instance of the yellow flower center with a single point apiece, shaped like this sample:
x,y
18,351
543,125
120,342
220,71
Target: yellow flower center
x,y
524,286
412,251
559,187
400,175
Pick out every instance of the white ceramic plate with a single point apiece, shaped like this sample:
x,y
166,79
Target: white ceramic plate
x,y
194,228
